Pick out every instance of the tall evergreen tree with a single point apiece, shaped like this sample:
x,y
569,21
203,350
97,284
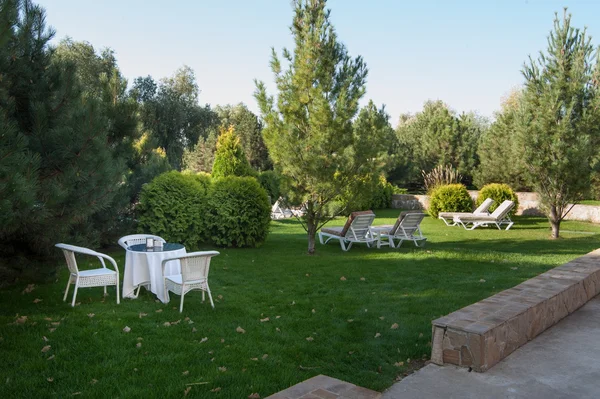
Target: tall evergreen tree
x,y
309,127
560,119
249,129
61,130
230,159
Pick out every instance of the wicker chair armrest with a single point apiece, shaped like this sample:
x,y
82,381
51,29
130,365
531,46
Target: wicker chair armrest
x,y
101,257
191,255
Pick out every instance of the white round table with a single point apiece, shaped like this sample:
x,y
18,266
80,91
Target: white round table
x,y
144,267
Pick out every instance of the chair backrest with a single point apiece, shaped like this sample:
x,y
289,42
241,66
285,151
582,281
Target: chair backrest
x,y
484,207
410,223
350,220
195,265
503,209
398,221
135,239
360,225
69,252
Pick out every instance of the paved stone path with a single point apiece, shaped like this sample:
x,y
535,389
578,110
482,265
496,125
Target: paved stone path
x,y
323,387
562,362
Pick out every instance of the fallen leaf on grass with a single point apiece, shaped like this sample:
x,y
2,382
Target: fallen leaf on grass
x,y
220,296
277,317
350,320
93,381
381,318
45,339
222,369
174,323
254,359
56,323
399,364
420,335
51,329
138,345
90,315
50,379
51,357
37,300
167,324
217,389
254,396
158,310
265,319
277,329
222,341
394,326
240,330
204,340
194,329
76,393
377,335
187,390
46,348
513,268
350,352
47,319
482,281
265,356
293,303
310,339
343,278
21,320
126,329
362,279
28,289
186,372
142,315
314,311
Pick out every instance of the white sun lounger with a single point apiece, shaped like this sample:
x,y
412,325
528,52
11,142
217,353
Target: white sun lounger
x,y
356,230
498,218
448,217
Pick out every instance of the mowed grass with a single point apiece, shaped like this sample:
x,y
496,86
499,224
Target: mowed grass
x,y
300,317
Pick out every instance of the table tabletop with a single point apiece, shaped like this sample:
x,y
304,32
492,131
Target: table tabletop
x,y
167,247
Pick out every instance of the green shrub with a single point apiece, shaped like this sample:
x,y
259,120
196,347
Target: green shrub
x,y
238,212
173,206
271,182
381,197
449,198
499,193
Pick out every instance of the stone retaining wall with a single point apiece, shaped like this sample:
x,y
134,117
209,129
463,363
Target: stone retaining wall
x,y
480,335
528,205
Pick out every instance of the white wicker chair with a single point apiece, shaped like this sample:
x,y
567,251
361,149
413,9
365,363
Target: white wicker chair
x,y
194,275
89,278
135,239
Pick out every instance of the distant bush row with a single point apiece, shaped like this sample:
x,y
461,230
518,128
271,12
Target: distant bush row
x,y
456,198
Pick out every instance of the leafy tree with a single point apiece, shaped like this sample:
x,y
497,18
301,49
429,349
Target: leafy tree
x,y
202,156
499,150
559,123
99,77
249,129
171,114
309,127
433,137
230,159
55,126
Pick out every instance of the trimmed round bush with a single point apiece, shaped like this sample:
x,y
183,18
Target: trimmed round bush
x,y
238,213
450,198
499,193
271,182
173,206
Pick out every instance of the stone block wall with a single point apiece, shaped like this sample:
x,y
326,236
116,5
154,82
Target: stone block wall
x,y
528,205
480,335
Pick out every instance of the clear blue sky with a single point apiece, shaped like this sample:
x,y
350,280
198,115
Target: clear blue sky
x,y
466,53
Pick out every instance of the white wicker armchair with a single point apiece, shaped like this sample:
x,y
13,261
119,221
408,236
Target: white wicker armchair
x,y
135,239
194,275
89,278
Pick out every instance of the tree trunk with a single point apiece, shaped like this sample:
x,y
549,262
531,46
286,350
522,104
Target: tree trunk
x,y
311,228
554,222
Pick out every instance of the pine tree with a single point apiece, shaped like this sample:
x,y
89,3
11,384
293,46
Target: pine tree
x,y
309,128
230,159
65,135
559,123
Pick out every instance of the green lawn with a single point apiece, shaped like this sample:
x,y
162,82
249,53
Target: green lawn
x,y
280,297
